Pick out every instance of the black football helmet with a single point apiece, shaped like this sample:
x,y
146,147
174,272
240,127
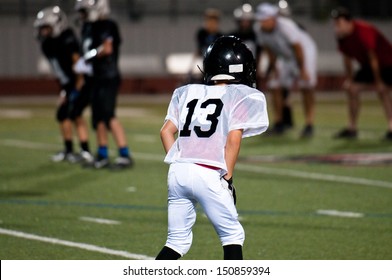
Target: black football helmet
x,y
229,60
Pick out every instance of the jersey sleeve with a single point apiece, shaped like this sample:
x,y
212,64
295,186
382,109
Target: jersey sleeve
x,y
110,31
291,31
250,115
172,112
71,42
368,37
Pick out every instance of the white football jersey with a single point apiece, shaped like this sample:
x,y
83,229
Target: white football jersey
x,y
281,39
204,115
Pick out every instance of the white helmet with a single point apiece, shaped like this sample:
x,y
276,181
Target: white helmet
x,y
95,9
244,12
284,8
53,17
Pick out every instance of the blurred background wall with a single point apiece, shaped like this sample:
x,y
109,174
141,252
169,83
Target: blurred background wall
x,y
153,29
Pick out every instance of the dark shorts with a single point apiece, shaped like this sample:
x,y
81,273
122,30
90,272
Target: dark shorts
x,y
73,108
365,75
103,100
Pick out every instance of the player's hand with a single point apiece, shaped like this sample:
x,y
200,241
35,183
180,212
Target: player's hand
x,y
305,75
380,86
82,67
347,84
228,184
62,97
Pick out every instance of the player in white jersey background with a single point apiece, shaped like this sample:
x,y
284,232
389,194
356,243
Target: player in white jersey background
x,y
292,57
210,120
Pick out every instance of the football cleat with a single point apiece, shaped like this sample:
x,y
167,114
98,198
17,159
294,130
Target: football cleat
x,y
86,157
346,134
307,132
123,162
63,156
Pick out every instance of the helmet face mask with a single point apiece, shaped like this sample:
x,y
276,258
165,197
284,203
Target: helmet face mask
x,y
92,10
230,61
50,22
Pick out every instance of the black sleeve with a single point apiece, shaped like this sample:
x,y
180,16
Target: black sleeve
x,y
110,30
71,42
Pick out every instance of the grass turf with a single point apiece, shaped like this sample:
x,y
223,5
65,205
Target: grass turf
x,y
278,210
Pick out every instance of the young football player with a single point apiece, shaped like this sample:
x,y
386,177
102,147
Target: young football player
x,y
101,42
210,120
61,48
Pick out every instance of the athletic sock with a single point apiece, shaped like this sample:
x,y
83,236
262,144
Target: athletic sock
x,y
168,254
232,252
68,146
103,152
84,146
123,152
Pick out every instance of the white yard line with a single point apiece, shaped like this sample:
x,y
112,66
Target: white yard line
x,y
27,144
83,246
239,166
343,214
99,221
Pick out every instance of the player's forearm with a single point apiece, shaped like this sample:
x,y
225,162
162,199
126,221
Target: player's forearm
x,y
299,55
348,67
79,77
374,64
232,149
167,140
168,132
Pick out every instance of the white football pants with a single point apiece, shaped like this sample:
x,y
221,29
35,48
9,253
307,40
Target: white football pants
x,y
189,184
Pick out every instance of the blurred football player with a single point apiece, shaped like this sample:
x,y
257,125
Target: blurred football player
x,y
100,44
206,35
61,47
361,41
210,119
292,58
244,19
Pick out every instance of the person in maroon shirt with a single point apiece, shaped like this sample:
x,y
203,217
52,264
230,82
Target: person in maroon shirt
x,y
359,40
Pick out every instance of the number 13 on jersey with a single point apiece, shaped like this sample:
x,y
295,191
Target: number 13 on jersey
x,y
207,112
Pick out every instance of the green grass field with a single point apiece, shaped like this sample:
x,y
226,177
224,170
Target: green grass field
x,y
290,209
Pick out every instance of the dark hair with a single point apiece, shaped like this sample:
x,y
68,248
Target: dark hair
x,y
341,12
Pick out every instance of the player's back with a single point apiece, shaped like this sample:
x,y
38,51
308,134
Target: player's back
x,y
204,116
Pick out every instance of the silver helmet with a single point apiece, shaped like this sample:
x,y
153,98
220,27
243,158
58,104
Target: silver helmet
x,y
95,9
244,12
284,8
53,17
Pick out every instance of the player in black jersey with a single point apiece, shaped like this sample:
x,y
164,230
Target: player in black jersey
x,y
244,18
100,43
205,36
61,47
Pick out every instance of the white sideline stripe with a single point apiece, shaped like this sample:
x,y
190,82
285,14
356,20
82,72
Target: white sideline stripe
x,y
314,176
239,166
27,144
100,221
343,214
82,246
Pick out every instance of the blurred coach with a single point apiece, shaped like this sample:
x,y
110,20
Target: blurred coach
x,y
361,41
